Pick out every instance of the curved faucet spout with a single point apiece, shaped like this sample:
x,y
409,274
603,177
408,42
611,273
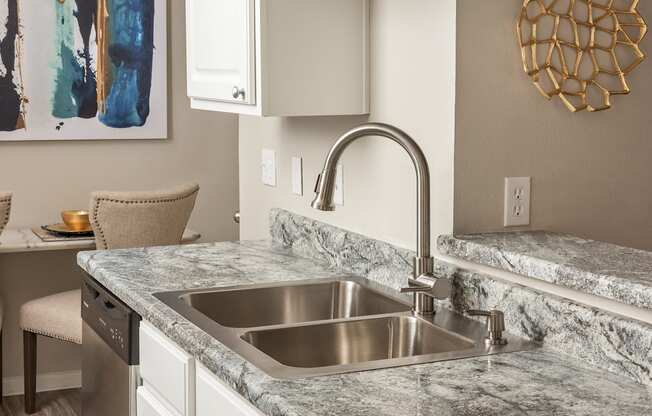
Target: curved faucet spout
x,y
323,201
425,286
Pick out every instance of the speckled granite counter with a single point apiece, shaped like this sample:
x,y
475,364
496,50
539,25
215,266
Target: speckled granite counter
x,y
602,269
530,383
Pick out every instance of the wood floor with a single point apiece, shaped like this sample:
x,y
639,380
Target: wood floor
x,y
55,403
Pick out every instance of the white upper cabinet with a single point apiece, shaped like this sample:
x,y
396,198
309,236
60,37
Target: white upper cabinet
x,y
221,50
279,57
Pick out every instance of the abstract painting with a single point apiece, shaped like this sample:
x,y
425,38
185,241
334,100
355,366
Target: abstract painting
x,y
83,69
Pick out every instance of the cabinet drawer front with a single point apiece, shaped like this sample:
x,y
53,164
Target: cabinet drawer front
x,y
216,398
221,50
148,404
167,369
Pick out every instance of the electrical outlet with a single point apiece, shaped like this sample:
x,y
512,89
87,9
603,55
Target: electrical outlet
x,y
297,176
269,167
517,201
338,198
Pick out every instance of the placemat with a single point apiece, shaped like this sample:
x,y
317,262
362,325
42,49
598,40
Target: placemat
x,y
48,237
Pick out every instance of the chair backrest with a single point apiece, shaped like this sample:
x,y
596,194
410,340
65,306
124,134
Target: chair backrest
x,y
5,209
141,219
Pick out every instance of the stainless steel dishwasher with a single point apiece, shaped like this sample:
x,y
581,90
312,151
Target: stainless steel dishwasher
x,y
109,353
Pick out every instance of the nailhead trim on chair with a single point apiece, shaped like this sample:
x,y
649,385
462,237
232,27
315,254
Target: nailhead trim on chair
x,y
5,220
98,202
51,335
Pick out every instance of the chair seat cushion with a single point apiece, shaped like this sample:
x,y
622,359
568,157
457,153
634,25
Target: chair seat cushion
x,y
57,316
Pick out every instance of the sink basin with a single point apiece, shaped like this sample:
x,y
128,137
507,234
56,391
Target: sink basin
x,y
280,305
352,342
320,327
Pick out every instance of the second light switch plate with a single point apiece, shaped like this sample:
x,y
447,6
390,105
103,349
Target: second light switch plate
x,y
269,167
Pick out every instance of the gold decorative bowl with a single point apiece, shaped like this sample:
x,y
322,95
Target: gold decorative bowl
x,y
76,220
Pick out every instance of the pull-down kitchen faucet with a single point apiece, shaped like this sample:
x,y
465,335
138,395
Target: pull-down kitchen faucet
x,y
424,284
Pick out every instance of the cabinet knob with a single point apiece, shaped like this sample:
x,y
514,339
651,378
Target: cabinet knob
x,y
236,217
238,92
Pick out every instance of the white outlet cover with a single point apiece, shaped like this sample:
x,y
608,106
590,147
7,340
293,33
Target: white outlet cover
x,y
338,198
269,167
517,201
297,176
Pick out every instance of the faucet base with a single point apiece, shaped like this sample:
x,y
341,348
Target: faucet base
x,y
495,342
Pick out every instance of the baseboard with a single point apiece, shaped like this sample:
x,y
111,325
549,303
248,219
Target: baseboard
x,y
14,386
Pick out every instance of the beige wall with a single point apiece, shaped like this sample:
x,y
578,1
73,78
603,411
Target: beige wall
x,y
591,172
49,176
412,87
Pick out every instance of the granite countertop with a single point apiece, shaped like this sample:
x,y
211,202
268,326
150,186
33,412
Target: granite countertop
x,y
538,382
594,267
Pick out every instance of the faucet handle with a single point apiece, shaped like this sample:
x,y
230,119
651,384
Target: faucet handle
x,y
434,287
495,325
416,289
426,289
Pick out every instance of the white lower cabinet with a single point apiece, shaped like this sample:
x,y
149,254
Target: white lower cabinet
x,y
167,370
216,398
147,404
174,384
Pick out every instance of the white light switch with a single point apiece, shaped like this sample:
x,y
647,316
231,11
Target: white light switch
x,y
338,198
297,176
517,201
269,167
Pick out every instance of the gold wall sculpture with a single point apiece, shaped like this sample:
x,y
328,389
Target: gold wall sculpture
x,y
581,50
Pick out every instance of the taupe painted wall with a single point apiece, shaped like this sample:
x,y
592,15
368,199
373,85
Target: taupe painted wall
x,y
591,172
49,176
412,84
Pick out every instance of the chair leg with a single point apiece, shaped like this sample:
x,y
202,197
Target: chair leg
x,y
29,350
1,379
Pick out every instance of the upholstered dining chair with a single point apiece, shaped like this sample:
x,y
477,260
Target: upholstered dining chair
x,y
5,210
119,220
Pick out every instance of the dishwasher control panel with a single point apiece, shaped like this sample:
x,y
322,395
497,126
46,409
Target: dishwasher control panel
x,y
111,319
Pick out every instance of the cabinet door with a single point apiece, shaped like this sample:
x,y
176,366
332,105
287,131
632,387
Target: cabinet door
x,y
221,50
167,370
215,398
148,405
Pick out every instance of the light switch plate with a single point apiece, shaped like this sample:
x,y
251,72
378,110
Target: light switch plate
x,y
517,201
297,176
269,167
338,198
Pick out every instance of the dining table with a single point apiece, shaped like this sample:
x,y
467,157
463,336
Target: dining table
x,y
25,240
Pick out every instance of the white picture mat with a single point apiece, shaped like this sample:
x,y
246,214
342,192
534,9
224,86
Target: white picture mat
x,y
37,26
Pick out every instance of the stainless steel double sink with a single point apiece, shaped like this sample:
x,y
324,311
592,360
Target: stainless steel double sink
x,y
330,326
